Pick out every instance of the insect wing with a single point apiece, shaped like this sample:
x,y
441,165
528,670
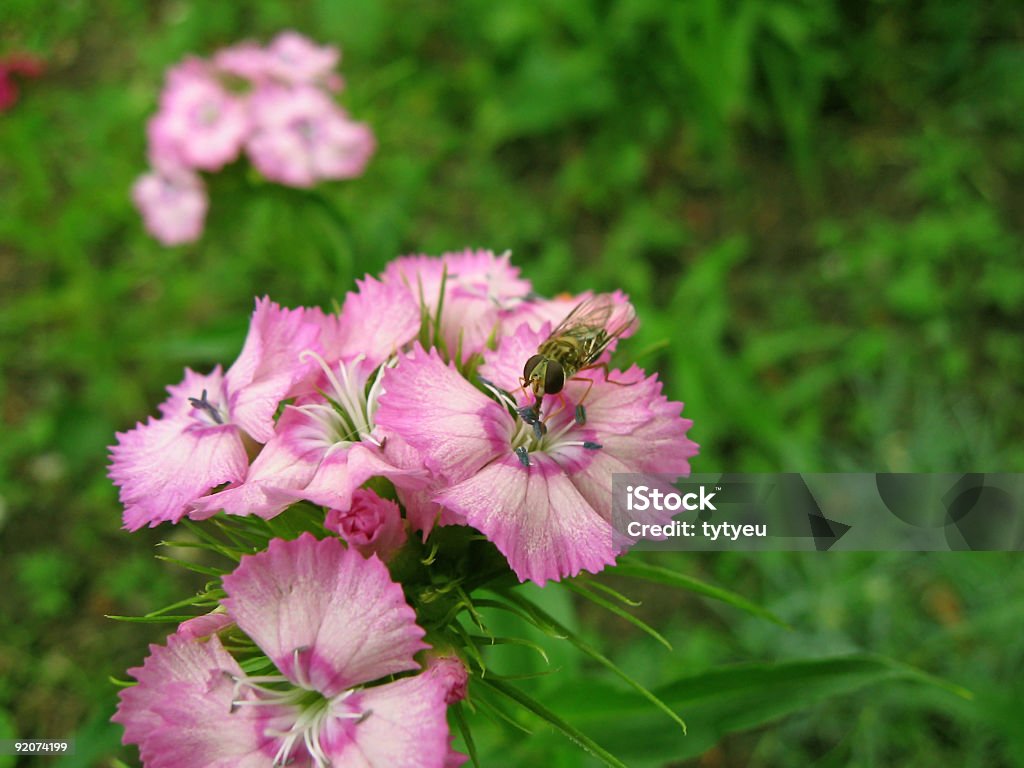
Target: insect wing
x,y
596,323
624,324
586,317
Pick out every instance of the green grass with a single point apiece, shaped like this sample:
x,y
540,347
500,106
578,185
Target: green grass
x,y
815,206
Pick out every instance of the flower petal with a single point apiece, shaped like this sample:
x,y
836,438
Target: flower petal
x,y
268,368
285,464
376,321
636,423
166,464
535,517
328,618
180,713
480,288
455,427
406,727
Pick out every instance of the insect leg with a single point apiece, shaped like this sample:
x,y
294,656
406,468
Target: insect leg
x,y
581,412
558,410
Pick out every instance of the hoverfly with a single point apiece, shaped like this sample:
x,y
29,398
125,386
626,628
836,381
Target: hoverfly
x,y
573,346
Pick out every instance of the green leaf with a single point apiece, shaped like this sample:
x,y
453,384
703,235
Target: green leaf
x,y
582,591
532,705
546,620
659,575
467,736
724,701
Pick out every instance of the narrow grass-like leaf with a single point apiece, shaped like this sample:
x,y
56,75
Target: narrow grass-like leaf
x,y
582,591
203,569
523,614
484,641
726,700
438,339
595,584
659,575
574,735
467,736
496,713
208,539
195,600
545,618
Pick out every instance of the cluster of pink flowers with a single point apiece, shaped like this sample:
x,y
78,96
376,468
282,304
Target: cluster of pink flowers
x,y
416,382
273,102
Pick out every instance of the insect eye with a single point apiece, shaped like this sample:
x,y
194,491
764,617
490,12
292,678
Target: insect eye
x,y
554,378
532,363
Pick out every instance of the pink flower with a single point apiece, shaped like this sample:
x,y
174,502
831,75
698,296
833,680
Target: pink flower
x,y
371,525
481,290
205,625
376,322
173,205
198,442
301,136
451,673
177,712
324,445
246,59
331,621
544,500
200,123
295,59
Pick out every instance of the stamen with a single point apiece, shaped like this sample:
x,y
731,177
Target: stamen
x,y
313,712
322,364
299,670
375,388
539,430
348,395
202,404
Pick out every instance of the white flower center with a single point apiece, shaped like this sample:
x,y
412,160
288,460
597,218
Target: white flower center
x,y
314,711
347,416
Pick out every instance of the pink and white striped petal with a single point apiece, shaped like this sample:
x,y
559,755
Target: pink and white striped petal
x,y
454,426
407,728
327,617
164,465
269,368
535,516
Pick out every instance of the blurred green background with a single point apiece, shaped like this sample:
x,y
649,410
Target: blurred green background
x,y
815,204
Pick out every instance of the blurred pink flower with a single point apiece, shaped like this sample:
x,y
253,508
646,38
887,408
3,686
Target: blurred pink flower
x,y
273,101
173,205
301,136
298,60
247,60
200,123
22,64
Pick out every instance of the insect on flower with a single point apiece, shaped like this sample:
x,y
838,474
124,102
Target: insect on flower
x,y
574,345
